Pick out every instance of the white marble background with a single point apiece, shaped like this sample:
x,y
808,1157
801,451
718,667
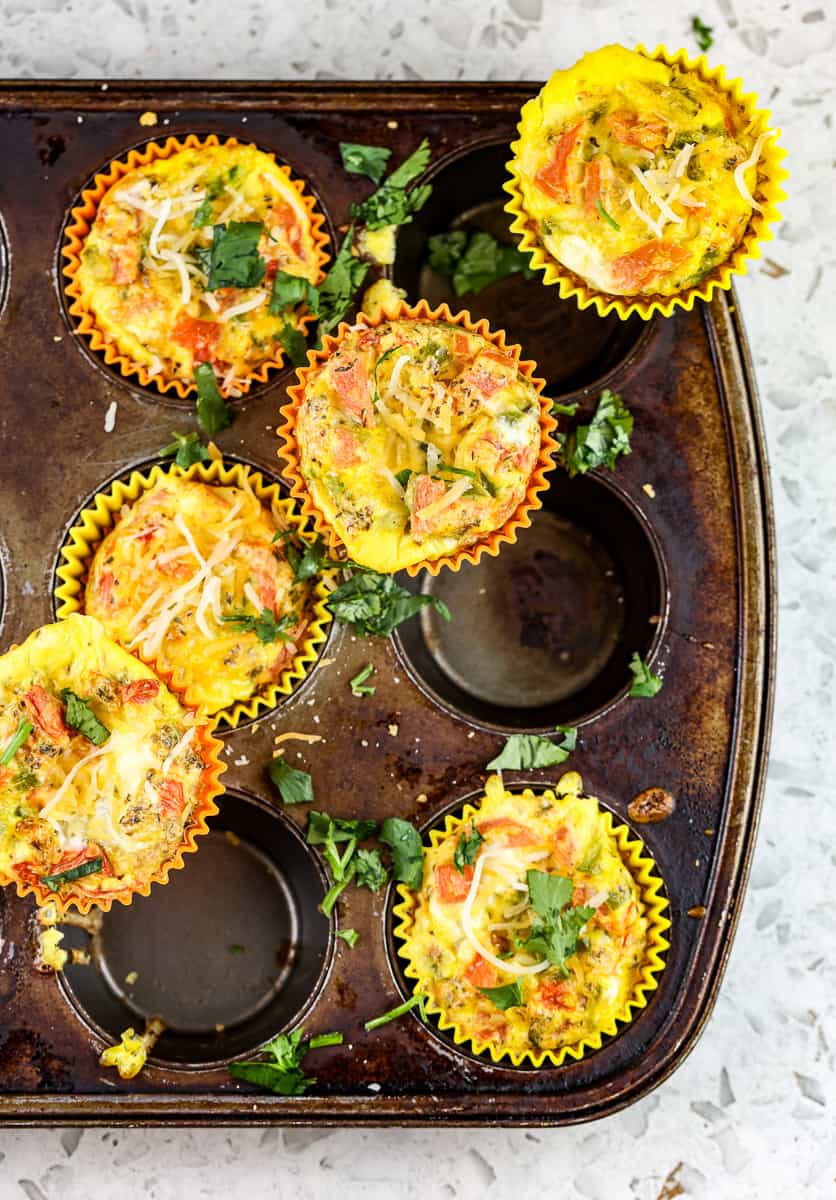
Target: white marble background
x,y
750,1115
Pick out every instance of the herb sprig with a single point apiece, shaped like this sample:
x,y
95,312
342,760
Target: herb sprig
x,y
213,413
602,441
365,160
523,751
392,204
264,625
475,260
295,786
375,604
281,1072
79,715
54,882
557,933
186,450
645,684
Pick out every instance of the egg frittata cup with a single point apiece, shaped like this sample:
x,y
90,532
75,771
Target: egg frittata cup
x,y
81,221
205,807
97,520
769,193
490,543
649,882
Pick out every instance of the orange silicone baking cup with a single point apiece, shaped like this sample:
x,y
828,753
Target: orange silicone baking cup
x,y
210,787
654,904
97,520
80,224
490,543
768,193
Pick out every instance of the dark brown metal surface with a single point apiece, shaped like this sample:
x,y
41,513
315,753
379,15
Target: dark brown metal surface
x,y
706,564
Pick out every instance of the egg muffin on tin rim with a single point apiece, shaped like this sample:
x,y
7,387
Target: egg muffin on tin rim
x,y
106,777
417,438
539,927
172,255
193,570
642,182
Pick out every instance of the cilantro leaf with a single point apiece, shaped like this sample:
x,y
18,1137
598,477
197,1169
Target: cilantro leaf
x,y
359,687
467,848
16,741
407,850
294,344
350,936
478,263
645,683
369,870
329,832
556,936
265,626
186,449
295,786
507,996
391,204
365,160
599,443
445,251
525,750
417,1001
80,716
703,33
340,284
234,260
213,413
281,1072
323,829
203,215
375,604
403,476
567,410
290,290
53,882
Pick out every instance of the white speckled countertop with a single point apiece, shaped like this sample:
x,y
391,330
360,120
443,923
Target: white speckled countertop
x,y
750,1115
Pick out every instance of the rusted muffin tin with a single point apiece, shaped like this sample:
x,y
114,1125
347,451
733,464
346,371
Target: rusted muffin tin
x,y
234,950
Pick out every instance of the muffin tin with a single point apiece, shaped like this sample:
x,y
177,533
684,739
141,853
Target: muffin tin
x,y
671,556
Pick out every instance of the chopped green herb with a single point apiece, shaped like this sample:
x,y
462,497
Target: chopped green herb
x,y
281,1071
265,626
25,780
234,260
369,870
313,559
16,741
337,289
365,160
80,716
703,33
213,413
186,450
330,832
54,882
525,750
203,215
236,948
476,262
294,344
645,683
403,476
567,410
599,443
610,220
407,850
326,830
556,936
467,848
295,786
508,996
391,204
290,290
350,936
375,604
446,250
417,1001
359,686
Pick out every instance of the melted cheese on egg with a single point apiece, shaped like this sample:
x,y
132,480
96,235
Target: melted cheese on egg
x,y
181,561
468,925
416,438
640,177
65,802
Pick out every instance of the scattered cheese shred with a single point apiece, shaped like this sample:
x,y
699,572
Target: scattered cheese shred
x,y
742,168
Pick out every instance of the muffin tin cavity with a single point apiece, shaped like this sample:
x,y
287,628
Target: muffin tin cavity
x,y
229,953
573,349
543,634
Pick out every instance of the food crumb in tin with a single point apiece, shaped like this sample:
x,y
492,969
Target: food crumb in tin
x,y
243,761
232,838
131,978
391,124
708,832
80,119
57,338
148,118
472,733
110,417
649,490
220,1028
364,742
393,730
697,911
374,1087
422,798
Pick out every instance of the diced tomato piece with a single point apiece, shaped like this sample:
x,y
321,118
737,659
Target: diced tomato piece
x,y
497,356
555,993
284,216
346,448
175,568
47,712
105,588
480,973
198,336
151,530
483,374
139,691
626,128
73,859
262,564
124,265
452,884
5,776
351,383
639,267
427,491
491,1031
598,177
461,344
563,847
171,797
553,178
513,834
580,893
525,458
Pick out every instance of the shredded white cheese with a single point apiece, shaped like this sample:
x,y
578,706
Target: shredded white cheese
x,y
742,168
244,307
178,749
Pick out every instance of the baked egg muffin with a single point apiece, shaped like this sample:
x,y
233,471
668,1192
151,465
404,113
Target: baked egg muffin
x,y
179,263
195,577
529,933
103,772
638,176
416,438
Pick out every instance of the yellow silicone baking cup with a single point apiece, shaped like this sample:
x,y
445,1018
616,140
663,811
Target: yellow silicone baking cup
x,y
210,787
96,521
537,483
644,871
768,193
81,221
